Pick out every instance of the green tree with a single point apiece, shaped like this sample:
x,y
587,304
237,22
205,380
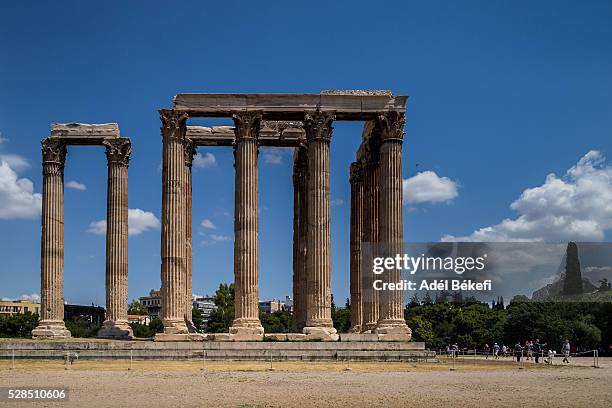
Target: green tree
x,y
342,319
422,330
82,328
280,321
222,316
136,308
197,318
19,325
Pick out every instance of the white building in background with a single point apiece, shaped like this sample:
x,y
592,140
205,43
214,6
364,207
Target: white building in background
x,y
274,305
205,304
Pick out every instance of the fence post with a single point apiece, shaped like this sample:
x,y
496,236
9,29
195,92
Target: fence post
x,y
131,358
13,360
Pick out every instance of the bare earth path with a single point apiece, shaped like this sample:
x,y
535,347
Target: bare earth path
x,y
239,384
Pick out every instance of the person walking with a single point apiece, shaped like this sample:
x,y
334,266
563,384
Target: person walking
x,y
537,349
496,351
487,350
518,350
566,351
529,350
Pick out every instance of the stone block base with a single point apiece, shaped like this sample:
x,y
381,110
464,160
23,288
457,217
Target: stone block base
x,y
51,330
219,337
285,337
246,333
180,337
115,330
358,337
399,332
321,333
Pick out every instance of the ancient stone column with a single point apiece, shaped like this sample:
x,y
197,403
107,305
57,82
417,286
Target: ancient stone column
x,y
300,235
319,325
118,152
190,151
391,323
356,181
246,325
52,324
369,247
174,233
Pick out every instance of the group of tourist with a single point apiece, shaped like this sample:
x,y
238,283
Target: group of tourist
x,y
531,350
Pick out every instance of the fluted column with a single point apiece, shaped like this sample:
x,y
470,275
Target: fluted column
x,y
118,152
246,325
371,200
52,324
318,127
173,222
356,181
391,319
190,151
300,235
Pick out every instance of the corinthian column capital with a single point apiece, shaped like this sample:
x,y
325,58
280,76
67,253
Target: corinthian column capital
x,y
391,125
189,152
174,124
247,124
318,125
53,151
118,151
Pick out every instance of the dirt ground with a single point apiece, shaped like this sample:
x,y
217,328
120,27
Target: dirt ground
x,y
305,384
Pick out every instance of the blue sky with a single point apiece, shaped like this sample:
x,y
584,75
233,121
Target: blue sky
x,y
502,94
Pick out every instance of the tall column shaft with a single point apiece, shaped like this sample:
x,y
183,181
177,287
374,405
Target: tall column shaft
x,y
391,319
246,324
118,152
370,232
300,235
318,127
52,324
356,232
190,151
173,245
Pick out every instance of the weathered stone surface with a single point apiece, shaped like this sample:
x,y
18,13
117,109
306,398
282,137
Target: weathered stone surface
x,y
318,126
406,336
118,153
321,333
358,337
165,337
82,133
391,320
277,136
346,106
173,248
356,236
275,336
246,325
52,324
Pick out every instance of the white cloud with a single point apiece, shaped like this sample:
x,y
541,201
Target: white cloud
x,y
428,187
17,196
16,162
219,238
76,185
34,297
273,156
573,207
139,221
3,139
214,238
206,223
97,227
204,161
336,202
